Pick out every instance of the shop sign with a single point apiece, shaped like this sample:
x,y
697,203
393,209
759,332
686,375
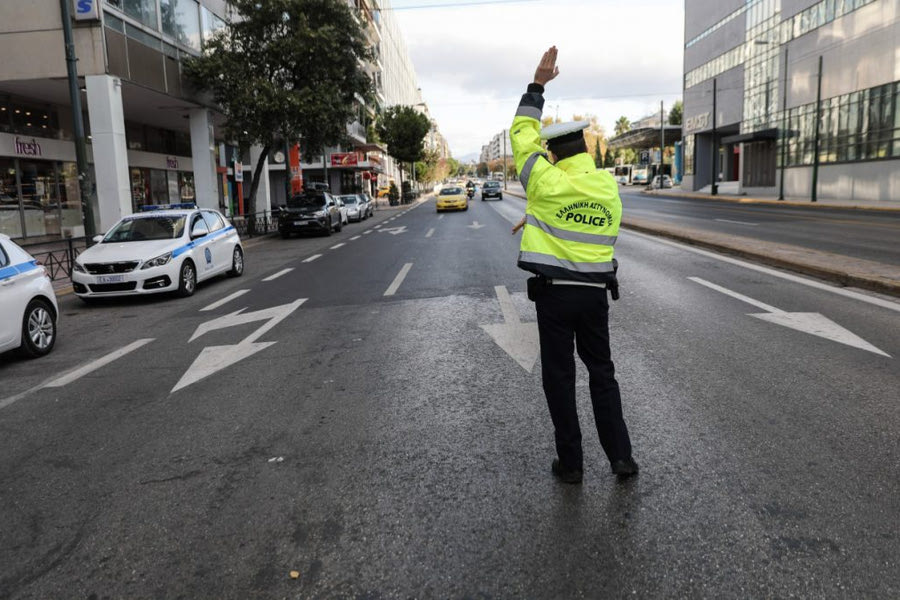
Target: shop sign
x,y
28,148
344,159
87,10
172,163
238,172
696,123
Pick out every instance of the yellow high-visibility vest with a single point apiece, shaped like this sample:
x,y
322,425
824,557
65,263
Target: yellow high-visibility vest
x,y
573,210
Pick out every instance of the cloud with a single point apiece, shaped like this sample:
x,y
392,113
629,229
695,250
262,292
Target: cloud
x,y
473,63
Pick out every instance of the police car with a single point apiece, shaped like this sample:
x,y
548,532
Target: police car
x,y
28,310
163,248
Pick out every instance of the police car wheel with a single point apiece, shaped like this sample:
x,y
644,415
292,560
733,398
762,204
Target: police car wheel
x,y
38,329
237,262
187,279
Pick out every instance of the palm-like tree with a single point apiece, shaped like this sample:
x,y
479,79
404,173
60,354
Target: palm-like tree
x,y
622,125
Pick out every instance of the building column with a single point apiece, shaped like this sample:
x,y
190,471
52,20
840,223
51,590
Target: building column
x,y
110,149
203,157
264,191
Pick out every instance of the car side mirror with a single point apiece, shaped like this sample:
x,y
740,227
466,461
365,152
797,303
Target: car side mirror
x,y
97,239
199,230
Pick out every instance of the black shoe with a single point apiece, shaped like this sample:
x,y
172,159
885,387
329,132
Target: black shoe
x,y
566,476
625,468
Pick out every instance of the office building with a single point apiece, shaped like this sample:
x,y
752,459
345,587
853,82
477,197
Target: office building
x,y
778,126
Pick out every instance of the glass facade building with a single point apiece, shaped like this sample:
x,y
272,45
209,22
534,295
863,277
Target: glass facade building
x,y
763,57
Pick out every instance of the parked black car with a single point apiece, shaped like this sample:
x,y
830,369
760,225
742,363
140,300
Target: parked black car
x,y
491,189
313,211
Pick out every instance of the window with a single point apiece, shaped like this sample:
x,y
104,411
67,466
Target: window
x,y
143,11
181,21
3,259
211,23
213,220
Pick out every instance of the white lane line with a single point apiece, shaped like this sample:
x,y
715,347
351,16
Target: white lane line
x,y
312,258
440,217
97,364
398,280
737,222
760,269
367,232
354,238
224,300
733,294
336,246
378,226
430,233
279,274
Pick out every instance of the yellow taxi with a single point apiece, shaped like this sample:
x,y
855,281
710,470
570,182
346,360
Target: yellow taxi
x,y
452,198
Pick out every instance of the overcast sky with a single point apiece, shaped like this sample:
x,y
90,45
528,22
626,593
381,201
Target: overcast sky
x,y
616,57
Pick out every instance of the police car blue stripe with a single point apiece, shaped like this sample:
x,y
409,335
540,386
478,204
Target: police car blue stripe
x,y
189,246
13,270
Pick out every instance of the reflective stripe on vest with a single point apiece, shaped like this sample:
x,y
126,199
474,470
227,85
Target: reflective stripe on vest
x,y
571,236
527,167
552,261
530,111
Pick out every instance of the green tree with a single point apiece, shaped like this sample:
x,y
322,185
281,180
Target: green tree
x,y
676,113
403,129
609,160
482,169
265,71
598,155
623,125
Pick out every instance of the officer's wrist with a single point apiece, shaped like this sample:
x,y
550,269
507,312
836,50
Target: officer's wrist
x,y
535,88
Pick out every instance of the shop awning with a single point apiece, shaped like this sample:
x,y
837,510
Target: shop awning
x,y
756,136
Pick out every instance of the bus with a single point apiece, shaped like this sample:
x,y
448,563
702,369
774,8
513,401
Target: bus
x,y
640,175
623,174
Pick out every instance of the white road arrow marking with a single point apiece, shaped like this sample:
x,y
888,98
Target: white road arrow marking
x,y
476,225
519,340
213,359
394,230
812,323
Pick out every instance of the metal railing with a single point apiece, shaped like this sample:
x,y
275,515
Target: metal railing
x,y
260,223
58,256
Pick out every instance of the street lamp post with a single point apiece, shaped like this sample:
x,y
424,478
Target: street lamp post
x,y
784,131
714,189
81,162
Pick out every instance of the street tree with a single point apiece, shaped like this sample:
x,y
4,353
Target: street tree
x,y
403,130
267,71
482,169
623,125
598,154
676,113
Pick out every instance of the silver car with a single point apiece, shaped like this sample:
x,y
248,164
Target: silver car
x,y
356,207
370,205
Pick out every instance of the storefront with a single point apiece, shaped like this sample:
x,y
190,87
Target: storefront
x,y
40,197
39,193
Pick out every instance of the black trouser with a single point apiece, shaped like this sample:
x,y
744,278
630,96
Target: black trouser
x,y
565,312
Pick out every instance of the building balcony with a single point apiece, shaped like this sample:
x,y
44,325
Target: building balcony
x,y
357,132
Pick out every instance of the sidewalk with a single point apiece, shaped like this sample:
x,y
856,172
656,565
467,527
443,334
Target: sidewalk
x,y
839,269
886,205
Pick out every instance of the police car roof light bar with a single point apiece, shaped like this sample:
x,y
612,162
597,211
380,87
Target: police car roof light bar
x,y
180,206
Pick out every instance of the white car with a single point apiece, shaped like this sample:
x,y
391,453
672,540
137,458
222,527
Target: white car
x,y
27,303
166,248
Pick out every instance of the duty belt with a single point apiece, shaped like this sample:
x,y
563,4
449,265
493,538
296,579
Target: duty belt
x,y
568,282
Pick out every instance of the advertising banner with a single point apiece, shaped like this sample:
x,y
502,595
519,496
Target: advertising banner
x,y
295,171
344,159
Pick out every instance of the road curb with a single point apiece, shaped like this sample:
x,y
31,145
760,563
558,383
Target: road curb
x,y
767,202
881,278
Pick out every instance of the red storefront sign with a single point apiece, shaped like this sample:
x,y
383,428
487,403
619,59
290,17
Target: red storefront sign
x,y
344,159
296,173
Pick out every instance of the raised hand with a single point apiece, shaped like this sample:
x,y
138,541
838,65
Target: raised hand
x,y
547,69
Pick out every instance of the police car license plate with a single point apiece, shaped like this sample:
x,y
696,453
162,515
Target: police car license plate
x,y
110,279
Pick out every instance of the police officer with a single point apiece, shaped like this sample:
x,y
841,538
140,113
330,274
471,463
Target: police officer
x,y
571,222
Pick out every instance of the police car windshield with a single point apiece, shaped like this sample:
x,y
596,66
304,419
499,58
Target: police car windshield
x,y
143,229
451,191
305,201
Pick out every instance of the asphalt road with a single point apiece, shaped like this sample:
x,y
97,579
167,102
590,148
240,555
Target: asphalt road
x,y
354,421
865,234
